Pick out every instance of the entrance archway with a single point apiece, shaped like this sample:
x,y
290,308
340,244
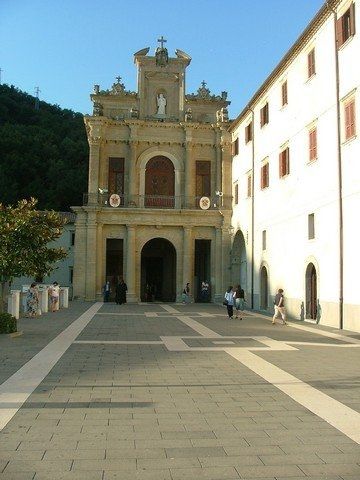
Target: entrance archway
x,y
311,292
264,290
160,183
239,261
158,271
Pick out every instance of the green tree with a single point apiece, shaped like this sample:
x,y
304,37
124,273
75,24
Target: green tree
x,y
25,234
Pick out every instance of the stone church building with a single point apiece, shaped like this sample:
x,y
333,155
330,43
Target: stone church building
x,y
158,207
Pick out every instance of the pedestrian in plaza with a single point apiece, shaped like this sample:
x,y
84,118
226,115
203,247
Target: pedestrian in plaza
x,y
239,296
229,301
186,293
204,291
279,307
54,293
106,291
121,289
32,300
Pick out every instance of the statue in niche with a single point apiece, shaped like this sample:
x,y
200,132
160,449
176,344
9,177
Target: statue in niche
x,y
161,104
188,115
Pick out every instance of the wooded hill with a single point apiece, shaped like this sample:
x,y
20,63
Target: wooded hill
x,y
43,153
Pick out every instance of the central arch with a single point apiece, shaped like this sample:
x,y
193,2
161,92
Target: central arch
x,y
158,271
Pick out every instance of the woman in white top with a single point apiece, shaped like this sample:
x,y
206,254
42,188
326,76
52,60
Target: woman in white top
x,y
229,297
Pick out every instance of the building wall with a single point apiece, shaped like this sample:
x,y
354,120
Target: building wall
x,y
311,187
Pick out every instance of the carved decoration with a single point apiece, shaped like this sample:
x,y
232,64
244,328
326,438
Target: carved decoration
x,y
203,93
188,115
97,109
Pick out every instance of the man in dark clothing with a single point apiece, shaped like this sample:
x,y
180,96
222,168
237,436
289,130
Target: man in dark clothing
x,y
121,289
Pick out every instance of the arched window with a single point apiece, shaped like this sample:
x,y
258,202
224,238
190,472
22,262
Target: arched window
x,y
311,292
159,183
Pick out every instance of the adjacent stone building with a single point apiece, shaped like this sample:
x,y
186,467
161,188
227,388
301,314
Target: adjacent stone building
x,y
158,207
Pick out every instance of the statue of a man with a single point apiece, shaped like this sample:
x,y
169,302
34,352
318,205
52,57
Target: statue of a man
x,y
161,104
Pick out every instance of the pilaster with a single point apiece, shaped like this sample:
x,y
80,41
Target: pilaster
x,y
131,263
219,293
90,282
80,273
187,258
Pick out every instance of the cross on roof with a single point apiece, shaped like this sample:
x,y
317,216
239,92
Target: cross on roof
x,y
118,78
203,84
162,41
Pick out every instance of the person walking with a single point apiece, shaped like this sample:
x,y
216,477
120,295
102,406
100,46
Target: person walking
x,y
239,296
229,298
279,307
54,292
121,289
106,291
204,292
186,293
32,301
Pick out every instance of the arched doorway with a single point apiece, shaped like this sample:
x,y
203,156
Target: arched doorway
x,y
264,290
158,271
160,183
239,261
311,292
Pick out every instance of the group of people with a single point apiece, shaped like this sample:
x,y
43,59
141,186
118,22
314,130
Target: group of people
x,y
204,292
32,299
120,292
236,297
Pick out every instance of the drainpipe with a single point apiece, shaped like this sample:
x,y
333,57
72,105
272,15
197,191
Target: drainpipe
x,y
339,160
252,201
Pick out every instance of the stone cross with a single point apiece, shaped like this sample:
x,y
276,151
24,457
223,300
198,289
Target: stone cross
x,y
162,41
118,78
203,84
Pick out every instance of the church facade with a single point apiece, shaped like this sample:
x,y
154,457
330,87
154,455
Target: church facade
x,y
158,208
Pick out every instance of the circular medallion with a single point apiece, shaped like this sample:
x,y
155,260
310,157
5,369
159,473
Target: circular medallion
x,y
114,200
204,203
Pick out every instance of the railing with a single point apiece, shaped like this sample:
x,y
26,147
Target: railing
x,y
180,202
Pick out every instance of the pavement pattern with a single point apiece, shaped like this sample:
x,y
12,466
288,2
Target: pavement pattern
x,y
177,392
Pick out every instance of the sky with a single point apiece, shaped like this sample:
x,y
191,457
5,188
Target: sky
x,y
64,47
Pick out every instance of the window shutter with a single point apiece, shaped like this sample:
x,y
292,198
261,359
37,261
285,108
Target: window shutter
x,y
350,119
312,144
311,63
237,146
284,93
339,32
267,175
262,117
287,160
352,19
280,164
249,181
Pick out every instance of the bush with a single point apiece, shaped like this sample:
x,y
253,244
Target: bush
x,y
8,323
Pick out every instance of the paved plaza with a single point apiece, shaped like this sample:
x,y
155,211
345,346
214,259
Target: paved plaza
x,y
177,392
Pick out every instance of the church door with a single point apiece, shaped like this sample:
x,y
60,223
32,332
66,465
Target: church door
x,y
311,292
160,183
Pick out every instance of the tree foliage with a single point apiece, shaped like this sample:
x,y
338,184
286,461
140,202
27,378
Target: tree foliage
x,y
44,153
25,235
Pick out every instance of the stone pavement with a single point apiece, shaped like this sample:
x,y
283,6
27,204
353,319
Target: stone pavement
x,y
176,392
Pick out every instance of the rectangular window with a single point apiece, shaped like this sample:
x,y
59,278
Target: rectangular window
x,y
235,147
264,176
284,93
72,238
350,121
264,115
71,275
203,178
249,133
284,162
311,63
311,226
116,177
249,185
313,144
264,240
236,194
345,27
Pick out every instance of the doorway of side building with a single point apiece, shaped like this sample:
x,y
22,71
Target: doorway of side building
x,y
311,292
114,262
158,271
239,262
264,289
202,267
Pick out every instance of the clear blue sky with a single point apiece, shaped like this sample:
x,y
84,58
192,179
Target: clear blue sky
x,y
66,46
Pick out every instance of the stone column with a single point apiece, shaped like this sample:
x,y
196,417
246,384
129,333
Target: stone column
x,y
131,172
94,163
189,176
100,262
80,272
187,259
131,263
44,299
218,161
219,293
14,303
90,281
